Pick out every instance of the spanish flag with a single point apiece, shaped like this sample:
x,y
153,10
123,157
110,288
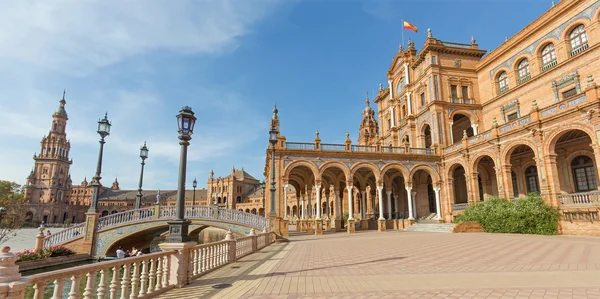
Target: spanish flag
x,y
409,26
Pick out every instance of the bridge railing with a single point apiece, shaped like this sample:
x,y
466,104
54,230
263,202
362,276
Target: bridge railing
x,y
125,217
142,276
243,218
65,235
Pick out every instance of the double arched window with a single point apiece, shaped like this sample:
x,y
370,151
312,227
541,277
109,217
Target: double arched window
x,y
502,82
523,70
578,39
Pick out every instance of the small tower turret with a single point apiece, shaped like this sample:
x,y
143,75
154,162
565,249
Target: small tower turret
x,y
368,125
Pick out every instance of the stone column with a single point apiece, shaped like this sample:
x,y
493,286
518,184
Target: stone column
x,y
285,206
369,200
338,210
351,228
438,206
389,204
397,203
410,205
364,223
475,127
318,192
553,179
309,204
414,202
318,221
381,221
12,286
362,202
451,135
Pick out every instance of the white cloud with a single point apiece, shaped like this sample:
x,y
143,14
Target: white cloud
x,y
87,46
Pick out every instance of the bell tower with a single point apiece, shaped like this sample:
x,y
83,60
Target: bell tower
x,y
49,182
368,126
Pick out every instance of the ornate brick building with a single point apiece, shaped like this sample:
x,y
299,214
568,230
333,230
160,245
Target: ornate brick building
x,y
455,125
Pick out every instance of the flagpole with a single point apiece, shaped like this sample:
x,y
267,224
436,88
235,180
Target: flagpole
x,y
402,33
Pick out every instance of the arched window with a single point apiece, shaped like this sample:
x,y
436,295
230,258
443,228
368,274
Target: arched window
x,y
548,57
400,86
523,71
502,83
578,38
531,178
584,174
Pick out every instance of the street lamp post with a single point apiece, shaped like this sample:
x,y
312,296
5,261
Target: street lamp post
x,y
103,130
178,229
194,184
144,155
273,140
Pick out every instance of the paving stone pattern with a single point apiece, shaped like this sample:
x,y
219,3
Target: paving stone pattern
x,y
411,265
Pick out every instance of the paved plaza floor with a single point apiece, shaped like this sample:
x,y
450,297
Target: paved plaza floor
x,y
410,265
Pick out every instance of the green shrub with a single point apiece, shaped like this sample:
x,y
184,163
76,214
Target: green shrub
x,y
530,215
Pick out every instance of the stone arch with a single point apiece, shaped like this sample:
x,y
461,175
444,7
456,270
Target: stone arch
x,y
564,36
510,147
453,166
435,177
550,40
376,172
472,116
298,163
397,166
475,161
578,153
555,134
341,166
518,60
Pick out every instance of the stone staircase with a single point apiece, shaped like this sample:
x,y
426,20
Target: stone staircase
x,y
430,227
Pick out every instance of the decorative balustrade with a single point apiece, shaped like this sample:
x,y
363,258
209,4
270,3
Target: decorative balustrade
x,y
549,65
125,217
135,277
170,212
333,147
579,49
584,198
243,246
364,148
205,258
142,276
421,151
356,148
459,207
65,235
300,146
393,149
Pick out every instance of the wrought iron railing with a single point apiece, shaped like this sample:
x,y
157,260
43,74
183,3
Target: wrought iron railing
x,y
333,147
579,49
300,145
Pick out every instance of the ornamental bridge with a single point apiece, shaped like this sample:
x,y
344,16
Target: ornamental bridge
x,y
140,226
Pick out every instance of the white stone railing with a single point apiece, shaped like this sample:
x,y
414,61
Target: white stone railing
x,y
135,277
191,212
243,218
144,276
584,198
243,246
125,217
65,235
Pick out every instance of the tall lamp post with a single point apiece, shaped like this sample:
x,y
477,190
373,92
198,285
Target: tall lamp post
x,y
103,130
194,184
178,229
273,140
144,155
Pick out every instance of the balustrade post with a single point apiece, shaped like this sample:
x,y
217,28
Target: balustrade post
x,y
231,247
254,240
12,286
39,239
179,262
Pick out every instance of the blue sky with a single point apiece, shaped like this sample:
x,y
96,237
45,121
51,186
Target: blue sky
x,y
229,60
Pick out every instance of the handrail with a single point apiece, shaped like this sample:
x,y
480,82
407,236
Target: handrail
x,y
125,217
582,198
68,234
